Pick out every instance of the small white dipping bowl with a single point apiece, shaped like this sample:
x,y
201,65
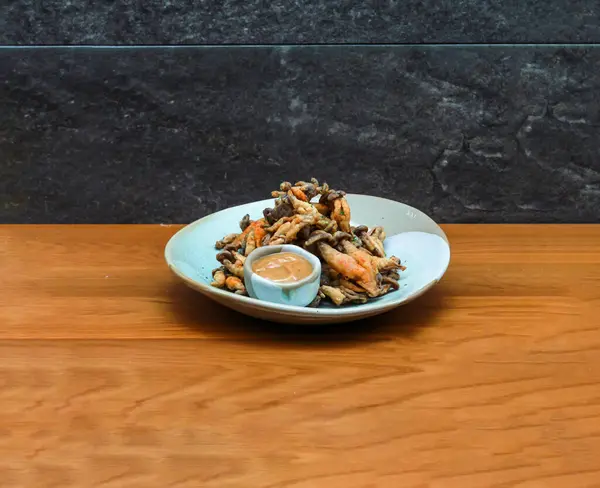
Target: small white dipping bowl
x,y
299,293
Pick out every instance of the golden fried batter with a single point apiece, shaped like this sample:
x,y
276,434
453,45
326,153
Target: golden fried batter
x,y
355,267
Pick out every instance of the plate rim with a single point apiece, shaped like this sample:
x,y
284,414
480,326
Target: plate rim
x,y
208,290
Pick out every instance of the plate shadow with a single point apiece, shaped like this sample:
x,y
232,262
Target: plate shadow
x,y
215,321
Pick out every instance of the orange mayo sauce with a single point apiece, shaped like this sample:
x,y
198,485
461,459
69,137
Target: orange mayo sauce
x,y
283,267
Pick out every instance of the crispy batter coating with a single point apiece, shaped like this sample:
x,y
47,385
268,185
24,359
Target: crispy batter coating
x,y
354,265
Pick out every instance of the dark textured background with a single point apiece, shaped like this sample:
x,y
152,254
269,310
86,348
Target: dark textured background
x,y
278,21
168,134
153,135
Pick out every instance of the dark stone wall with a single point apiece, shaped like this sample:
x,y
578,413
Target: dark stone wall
x,y
122,132
170,134
278,21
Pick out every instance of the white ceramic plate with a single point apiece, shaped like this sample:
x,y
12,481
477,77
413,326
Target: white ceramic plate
x,y
412,236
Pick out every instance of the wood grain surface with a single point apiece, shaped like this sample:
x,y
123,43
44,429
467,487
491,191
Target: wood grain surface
x,y
113,374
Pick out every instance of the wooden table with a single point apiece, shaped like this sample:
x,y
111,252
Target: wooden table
x,y
113,374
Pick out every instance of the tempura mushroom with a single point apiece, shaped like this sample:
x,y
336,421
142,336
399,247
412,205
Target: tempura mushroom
x,y
334,294
245,222
348,266
353,297
321,235
229,262
369,240
219,278
352,286
228,239
236,285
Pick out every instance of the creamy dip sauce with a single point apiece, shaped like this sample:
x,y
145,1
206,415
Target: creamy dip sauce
x,y
283,267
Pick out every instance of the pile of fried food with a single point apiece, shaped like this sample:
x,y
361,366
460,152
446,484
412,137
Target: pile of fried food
x,y
354,265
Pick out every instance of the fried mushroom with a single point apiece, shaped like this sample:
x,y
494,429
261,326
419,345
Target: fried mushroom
x,y
245,222
231,264
283,208
235,285
219,278
334,294
321,235
353,297
391,281
370,240
318,235
228,239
